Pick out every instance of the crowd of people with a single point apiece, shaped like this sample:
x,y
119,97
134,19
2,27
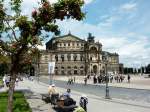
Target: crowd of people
x,y
71,80
98,79
7,79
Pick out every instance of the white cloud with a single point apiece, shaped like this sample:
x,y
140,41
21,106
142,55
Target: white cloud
x,y
88,1
128,7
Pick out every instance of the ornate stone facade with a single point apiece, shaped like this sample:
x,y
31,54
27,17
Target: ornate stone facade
x,y
74,56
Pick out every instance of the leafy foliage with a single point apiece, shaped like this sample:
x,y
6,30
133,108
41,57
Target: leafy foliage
x,y
20,36
30,30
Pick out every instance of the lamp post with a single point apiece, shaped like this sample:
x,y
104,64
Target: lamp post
x,y
107,96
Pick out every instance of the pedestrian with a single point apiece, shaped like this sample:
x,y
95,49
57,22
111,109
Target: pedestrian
x,y
71,80
7,81
129,78
83,102
85,81
4,80
17,80
111,78
74,79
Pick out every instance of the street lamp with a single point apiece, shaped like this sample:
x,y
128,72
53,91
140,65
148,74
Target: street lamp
x,y
107,96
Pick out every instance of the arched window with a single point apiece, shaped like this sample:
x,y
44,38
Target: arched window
x,y
75,57
62,57
69,57
56,67
69,72
91,58
56,72
93,49
69,67
81,72
56,58
81,58
62,72
81,67
75,72
75,67
62,67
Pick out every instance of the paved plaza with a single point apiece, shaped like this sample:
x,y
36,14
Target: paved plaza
x,y
97,103
137,81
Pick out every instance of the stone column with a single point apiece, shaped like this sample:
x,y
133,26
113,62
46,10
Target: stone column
x,y
65,57
78,57
72,55
59,57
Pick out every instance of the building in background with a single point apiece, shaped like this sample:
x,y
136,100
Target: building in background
x,y
75,56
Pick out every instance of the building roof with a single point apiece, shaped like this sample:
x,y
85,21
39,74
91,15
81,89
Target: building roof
x,y
108,53
68,37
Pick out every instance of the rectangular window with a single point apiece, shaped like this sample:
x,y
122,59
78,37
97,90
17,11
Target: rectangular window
x,y
82,72
75,72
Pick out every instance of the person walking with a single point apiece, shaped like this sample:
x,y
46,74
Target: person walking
x,y
74,79
85,81
129,78
83,102
4,80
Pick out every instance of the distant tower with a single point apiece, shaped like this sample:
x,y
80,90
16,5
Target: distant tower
x,y
69,33
90,38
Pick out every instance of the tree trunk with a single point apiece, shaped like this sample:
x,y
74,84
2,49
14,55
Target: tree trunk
x,y
13,73
11,93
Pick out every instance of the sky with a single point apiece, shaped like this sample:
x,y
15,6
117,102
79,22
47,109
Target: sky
x,y
122,26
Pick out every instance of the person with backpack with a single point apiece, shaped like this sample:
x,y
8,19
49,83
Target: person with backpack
x,y
83,102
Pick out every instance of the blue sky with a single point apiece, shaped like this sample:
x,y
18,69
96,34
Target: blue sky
x,y
121,26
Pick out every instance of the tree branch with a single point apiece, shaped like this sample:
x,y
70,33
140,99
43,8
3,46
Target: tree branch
x,y
3,47
13,32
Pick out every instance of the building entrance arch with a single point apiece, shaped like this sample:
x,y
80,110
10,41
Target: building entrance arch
x,y
95,69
